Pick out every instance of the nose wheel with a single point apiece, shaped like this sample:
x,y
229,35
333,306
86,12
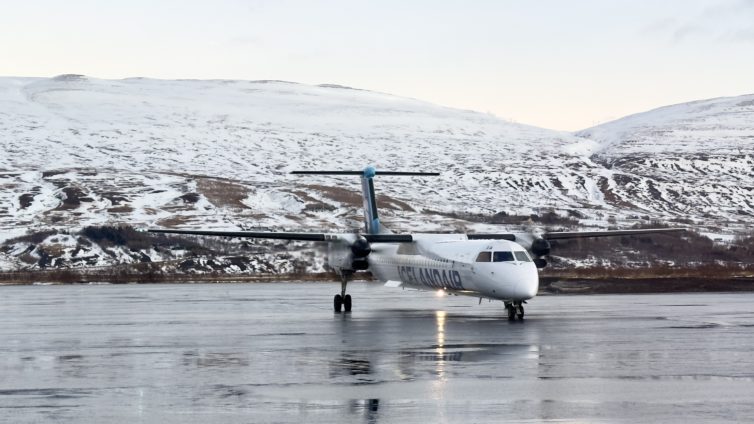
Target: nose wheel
x,y
342,301
515,310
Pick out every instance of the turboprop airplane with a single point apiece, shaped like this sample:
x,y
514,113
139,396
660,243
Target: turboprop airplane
x,y
501,266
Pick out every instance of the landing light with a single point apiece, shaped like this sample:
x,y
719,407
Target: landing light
x,y
440,293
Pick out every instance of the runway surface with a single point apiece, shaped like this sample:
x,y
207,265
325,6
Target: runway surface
x,y
275,352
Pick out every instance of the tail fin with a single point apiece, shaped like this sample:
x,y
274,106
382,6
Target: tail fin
x,y
371,219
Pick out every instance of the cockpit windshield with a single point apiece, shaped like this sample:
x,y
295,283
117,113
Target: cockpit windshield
x,y
502,257
484,257
522,256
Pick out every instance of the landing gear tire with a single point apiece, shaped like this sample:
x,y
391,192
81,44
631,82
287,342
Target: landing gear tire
x,y
511,312
343,300
347,303
520,312
338,303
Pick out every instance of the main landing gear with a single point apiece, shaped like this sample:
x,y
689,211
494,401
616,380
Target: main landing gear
x,y
342,300
515,309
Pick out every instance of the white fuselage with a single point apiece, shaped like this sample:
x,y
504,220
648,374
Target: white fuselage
x,y
457,265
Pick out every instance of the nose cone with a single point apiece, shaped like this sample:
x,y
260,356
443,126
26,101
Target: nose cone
x,y
510,282
528,283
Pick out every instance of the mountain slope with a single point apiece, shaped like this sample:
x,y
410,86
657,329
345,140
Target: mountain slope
x,y
694,159
79,151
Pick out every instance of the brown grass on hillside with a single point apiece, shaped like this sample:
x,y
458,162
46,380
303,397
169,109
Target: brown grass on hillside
x,y
354,198
222,193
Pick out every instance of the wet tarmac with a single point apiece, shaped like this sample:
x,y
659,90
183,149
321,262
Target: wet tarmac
x,y
249,353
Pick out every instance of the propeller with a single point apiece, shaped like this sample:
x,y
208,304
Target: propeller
x,y
539,248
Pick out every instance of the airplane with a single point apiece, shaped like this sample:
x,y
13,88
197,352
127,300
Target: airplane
x,y
500,266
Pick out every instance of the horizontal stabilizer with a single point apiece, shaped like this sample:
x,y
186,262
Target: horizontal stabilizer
x,y
393,173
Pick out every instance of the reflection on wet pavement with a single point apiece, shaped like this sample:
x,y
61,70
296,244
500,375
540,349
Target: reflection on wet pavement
x,y
276,353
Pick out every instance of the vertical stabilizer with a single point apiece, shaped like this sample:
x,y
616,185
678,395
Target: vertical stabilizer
x,y
371,220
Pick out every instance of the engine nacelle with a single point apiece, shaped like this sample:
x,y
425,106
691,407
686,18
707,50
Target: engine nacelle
x,y
349,255
360,264
361,248
540,247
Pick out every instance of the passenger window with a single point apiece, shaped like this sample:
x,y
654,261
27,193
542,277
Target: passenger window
x,y
484,257
502,257
522,256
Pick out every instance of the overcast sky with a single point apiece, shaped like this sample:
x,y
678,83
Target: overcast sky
x,y
557,64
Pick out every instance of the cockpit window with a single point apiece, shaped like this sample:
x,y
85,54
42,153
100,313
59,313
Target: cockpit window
x,y
502,257
522,256
484,257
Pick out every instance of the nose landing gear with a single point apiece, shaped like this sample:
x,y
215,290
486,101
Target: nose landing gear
x,y
515,309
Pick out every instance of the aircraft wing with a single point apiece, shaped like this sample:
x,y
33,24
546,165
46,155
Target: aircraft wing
x,y
408,238
587,234
498,236
372,238
576,234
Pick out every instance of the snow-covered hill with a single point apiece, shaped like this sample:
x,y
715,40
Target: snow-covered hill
x,y
694,159
78,151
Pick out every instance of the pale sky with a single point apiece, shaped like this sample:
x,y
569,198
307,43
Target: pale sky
x,y
557,64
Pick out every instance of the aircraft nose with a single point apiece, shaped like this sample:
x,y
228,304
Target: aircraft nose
x,y
528,284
